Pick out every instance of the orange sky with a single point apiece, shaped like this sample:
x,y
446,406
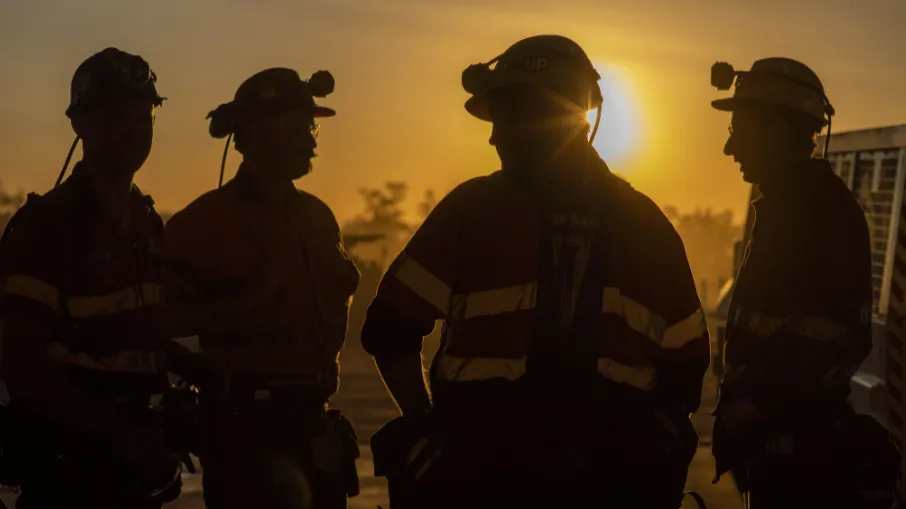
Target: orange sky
x,y
398,64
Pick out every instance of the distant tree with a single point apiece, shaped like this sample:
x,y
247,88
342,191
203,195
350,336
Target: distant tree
x,y
9,204
383,216
427,204
709,239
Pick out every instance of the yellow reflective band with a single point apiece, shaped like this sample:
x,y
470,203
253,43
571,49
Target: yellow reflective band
x,y
423,283
640,378
32,288
686,330
638,317
472,369
495,302
127,299
127,361
814,327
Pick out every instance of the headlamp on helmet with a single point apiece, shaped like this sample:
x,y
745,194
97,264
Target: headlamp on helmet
x,y
109,77
775,81
550,62
269,91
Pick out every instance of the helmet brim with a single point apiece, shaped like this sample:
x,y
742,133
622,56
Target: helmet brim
x,y
477,106
726,104
322,112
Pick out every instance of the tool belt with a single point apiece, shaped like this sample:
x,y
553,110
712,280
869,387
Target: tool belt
x,y
330,440
416,452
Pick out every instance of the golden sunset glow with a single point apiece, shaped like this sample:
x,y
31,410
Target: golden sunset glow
x,y
398,95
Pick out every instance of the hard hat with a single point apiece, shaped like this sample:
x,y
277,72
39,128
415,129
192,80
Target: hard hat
x,y
271,90
112,76
548,61
778,81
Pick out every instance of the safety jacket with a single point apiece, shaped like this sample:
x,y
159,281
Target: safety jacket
x,y
72,265
235,234
628,296
799,322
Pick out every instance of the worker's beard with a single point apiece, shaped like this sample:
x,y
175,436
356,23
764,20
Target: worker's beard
x,y
301,168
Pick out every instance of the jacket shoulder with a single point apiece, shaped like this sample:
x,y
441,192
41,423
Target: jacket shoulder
x,y
320,211
201,208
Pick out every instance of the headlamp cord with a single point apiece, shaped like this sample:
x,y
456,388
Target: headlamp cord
x,y
68,158
226,149
597,123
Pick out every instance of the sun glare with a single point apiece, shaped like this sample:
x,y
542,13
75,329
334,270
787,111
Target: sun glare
x,y
619,132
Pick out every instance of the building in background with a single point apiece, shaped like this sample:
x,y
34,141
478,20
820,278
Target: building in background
x,y
872,163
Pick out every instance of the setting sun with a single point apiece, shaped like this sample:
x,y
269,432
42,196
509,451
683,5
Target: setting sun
x,y
620,133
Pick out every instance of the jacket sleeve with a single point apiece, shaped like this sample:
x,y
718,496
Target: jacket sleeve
x,y
188,256
33,266
416,289
336,273
685,352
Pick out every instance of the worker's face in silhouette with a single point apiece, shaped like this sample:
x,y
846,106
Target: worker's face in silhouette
x,y
119,136
764,143
530,126
282,143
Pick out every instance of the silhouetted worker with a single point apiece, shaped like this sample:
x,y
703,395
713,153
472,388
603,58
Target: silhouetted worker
x,y
800,319
279,446
574,344
84,330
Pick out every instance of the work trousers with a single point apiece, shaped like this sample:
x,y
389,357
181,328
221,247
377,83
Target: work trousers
x,y
261,457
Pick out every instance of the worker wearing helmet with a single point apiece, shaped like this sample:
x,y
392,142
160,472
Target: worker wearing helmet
x,y
574,343
278,445
85,331
800,319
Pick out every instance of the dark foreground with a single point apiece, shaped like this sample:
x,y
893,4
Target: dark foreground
x,y
364,400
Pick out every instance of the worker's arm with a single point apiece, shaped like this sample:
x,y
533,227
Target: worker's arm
x,y
684,354
814,281
332,270
197,300
211,309
395,341
33,377
412,296
30,312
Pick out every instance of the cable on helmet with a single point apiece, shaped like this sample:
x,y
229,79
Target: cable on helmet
x,y
528,61
270,90
723,77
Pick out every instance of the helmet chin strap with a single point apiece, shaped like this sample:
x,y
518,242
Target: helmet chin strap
x,y
68,158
